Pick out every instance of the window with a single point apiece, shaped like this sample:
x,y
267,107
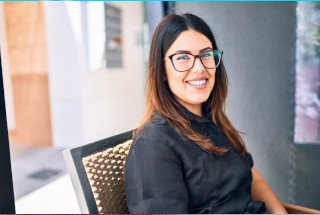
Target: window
x,y
307,88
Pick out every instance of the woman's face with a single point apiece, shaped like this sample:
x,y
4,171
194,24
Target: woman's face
x,y
192,87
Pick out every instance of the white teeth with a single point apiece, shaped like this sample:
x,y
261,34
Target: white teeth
x,y
198,83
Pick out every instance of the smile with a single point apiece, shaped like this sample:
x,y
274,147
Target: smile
x,y
197,82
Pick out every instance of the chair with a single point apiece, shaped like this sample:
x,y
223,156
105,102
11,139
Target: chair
x,y
296,209
97,175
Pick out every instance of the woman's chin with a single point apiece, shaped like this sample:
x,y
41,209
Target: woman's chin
x,y
199,99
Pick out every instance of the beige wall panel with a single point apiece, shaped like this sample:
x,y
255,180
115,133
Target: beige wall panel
x,y
28,62
26,37
32,110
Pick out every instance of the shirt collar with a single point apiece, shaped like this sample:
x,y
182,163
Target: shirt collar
x,y
193,117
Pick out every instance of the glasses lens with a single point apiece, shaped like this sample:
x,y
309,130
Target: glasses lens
x,y
211,59
217,58
182,62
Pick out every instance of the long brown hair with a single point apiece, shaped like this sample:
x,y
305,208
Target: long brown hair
x,y
159,98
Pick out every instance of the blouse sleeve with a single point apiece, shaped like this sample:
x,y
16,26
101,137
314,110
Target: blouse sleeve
x,y
154,179
249,156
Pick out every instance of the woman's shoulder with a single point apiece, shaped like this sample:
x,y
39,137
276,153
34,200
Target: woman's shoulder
x,y
155,127
158,133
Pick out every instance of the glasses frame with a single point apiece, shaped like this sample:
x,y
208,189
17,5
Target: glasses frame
x,y
195,57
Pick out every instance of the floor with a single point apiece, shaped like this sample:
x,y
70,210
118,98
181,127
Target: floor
x,y
40,180
34,167
57,197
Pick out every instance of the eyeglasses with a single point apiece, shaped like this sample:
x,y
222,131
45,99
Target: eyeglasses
x,y
184,61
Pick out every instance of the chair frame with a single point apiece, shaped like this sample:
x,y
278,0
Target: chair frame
x,y
73,159
297,209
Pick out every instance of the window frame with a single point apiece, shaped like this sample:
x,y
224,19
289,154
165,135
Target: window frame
x,y
7,204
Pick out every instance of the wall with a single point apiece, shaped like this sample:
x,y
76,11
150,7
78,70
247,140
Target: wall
x,y
26,58
114,98
258,41
88,105
66,73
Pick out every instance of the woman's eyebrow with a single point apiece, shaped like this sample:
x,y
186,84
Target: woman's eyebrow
x,y
205,49
182,51
188,52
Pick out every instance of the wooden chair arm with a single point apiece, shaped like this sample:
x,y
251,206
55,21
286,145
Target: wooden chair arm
x,y
296,209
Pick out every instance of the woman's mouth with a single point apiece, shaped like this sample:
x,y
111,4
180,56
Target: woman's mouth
x,y
198,83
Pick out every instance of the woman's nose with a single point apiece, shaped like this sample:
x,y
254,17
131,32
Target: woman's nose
x,y
197,66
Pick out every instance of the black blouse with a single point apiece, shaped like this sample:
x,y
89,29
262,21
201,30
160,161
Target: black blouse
x,y
167,173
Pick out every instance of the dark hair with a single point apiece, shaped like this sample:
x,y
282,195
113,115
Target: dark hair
x,y
160,99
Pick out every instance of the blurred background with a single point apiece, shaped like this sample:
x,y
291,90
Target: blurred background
x,y
74,73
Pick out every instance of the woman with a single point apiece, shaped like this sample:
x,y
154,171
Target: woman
x,y
186,156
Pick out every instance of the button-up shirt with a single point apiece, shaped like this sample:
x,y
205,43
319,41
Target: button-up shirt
x,y
168,173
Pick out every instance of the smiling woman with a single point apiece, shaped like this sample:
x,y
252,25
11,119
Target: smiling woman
x,y
186,157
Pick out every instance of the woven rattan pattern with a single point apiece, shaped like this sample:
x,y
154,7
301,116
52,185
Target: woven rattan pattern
x,y
105,171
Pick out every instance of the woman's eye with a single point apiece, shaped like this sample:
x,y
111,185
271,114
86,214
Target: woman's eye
x,y
183,57
206,54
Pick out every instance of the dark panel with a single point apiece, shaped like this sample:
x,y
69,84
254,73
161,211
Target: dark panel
x,y
154,11
168,7
6,186
307,176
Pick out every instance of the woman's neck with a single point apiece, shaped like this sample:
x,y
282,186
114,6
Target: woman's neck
x,y
195,109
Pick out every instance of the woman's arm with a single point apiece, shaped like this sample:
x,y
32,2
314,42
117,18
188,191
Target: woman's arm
x,y
154,181
261,191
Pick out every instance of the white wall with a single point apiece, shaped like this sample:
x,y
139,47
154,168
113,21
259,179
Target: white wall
x,y
6,71
65,73
91,105
114,98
